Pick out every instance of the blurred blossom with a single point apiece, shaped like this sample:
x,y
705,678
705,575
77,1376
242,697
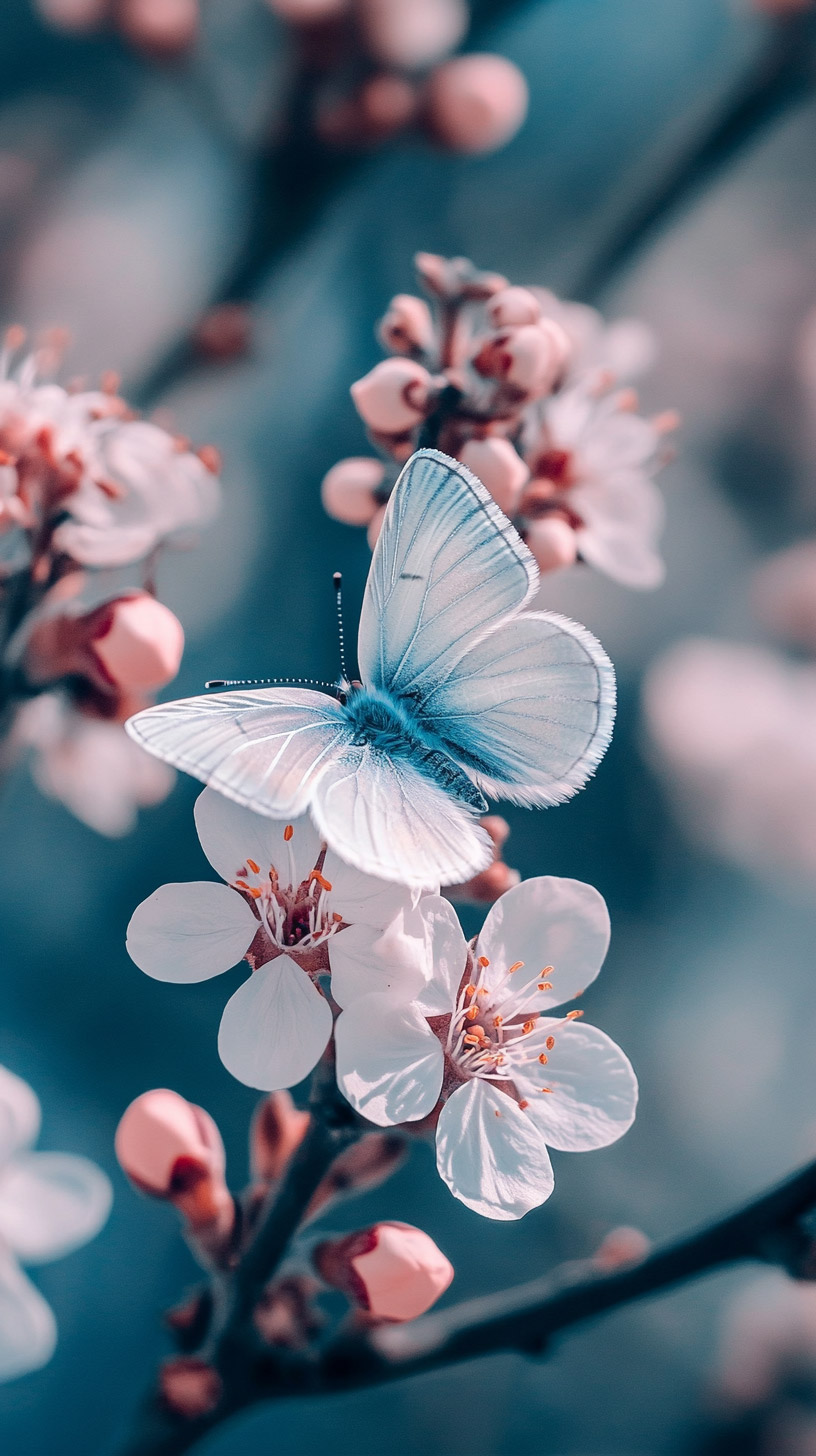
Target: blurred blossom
x,y
73,14
391,1271
733,729
50,1204
225,332
784,594
477,1049
525,390
297,913
476,103
410,34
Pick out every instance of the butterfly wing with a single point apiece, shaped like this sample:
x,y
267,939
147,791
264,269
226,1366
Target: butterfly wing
x,y
447,566
264,749
525,701
390,819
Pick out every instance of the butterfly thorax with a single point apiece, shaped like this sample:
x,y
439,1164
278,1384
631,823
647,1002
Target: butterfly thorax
x,y
386,724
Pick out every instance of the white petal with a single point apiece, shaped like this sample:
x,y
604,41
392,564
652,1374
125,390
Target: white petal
x,y
19,1114
275,1028
28,1330
446,951
545,922
389,1063
190,932
51,1203
617,440
491,1154
594,1088
623,516
362,898
365,960
229,833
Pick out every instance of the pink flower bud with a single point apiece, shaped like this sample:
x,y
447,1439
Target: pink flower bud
x,y
530,358
476,103
393,397
364,1165
308,12
164,27
73,14
278,1128
513,307
387,104
499,467
373,532
348,490
407,327
413,34
622,1246
552,542
224,332
138,643
393,1271
172,1150
490,884
189,1386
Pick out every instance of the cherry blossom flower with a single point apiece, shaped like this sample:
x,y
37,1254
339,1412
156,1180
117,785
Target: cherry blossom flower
x,y
297,913
479,1042
50,1204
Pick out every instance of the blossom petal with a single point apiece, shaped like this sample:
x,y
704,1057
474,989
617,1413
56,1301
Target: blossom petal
x,y
190,932
389,1063
229,833
492,1155
19,1114
545,922
28,1330
623,515
364,959
364,899
51,1203
446,954
275,1028
594,1087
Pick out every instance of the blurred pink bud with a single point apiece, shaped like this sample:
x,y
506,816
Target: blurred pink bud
x,y
286,1315
189,1386
373,532
73,14
499,467
512,307
387,104
364,1165
530,358
622,1246
393,397
139,643
408,34
308,12
784,594
172,1150
163,27
552,542
278,1128
393,1271
490,884
476,103
224,332
348,489
407,327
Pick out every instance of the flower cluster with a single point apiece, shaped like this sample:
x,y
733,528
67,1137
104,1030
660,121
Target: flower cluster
x,y
534,396
50,1204
89,496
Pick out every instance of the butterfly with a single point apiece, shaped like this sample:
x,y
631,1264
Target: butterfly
x,y
462,695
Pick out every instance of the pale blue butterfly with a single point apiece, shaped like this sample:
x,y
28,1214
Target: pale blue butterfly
x,y
461,693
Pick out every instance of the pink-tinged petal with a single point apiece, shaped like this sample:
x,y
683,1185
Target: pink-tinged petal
x,y
28,1330
229,833
446,951
557,928
623,516
275,1028
618,440
190,932
362,898
365,960
51,1203
389,1063
594,1088
492,1155
19,1114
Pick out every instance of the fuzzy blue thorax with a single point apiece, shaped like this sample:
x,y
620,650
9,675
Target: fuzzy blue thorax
x,y
382,722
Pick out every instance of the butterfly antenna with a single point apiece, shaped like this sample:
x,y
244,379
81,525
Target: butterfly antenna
x,y
266,682
338,593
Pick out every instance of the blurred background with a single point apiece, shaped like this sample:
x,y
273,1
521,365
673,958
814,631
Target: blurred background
x,y
131,198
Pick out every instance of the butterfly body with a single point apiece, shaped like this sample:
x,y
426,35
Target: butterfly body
x,y
462,694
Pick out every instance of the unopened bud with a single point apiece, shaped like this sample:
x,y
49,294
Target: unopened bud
x,y
490,884
278,1128
530,358
552,542
476,103
393,397
172,1150
513,307
164,27
387,104
366,1164
392,1271
413,34
407,327
224,332
138,643
189,1386
348,489
499,467
622,1246
73,14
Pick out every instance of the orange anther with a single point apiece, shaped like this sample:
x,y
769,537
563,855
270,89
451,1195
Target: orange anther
x,y
256,894
242,884
288,832
15,337
321,880
547,971
471,1013
110,381
483,961
483,991
496,1112
470,990
338,919
543,1059
471,1040
545,985
573,1015
550,1043
210,458
546,1089
523,1104
256,869
516,967
528,1026
497,1020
